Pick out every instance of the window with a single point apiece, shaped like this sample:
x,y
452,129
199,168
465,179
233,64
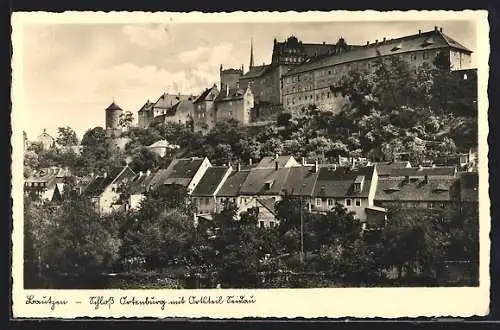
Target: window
x,y
318,201
207,201
425,55
271,224
348,202
414,57
357,202
330,202
261,224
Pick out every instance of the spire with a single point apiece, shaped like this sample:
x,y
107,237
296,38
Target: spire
x,y
251,53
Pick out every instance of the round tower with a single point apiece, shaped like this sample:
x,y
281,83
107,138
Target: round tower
x,y
113,113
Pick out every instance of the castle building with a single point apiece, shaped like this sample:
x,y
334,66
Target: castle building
x,y
265,79
167,105
113,113
234,103
204,110
314,81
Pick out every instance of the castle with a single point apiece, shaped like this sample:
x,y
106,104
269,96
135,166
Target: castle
x,y
300,74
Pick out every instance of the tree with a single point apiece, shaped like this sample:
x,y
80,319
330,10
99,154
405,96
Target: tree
x,y
66,137
414,243
126,120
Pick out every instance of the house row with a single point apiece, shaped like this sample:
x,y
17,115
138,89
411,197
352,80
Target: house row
x,y
367,191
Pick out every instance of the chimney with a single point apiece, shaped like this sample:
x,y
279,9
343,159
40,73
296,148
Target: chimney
x,y
105,175
323,42
316,166
383,40
435,28
441,29
148,172
238,168
303,161
376,41
367,43
250,161
419,32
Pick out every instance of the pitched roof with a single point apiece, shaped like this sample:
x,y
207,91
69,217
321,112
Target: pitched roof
x,y
423,41
182,106
385,168
161,144
234,94
205,95
113,106
180,172
124,175
257,179
268,203
339,181
140,183
469,185
423,171
165,101
97,186
436,189
269,162
231,187
146,107
301,181
210,181
256,71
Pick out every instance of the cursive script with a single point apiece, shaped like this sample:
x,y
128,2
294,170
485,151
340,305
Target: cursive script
x,y
44,300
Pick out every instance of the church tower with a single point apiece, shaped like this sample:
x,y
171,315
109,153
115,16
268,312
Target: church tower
x,y
113,113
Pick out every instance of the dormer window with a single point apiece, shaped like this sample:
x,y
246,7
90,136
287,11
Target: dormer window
x,y
268,184
358,183
397,47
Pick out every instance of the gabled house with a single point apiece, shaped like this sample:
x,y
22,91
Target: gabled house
x,y
230,189
277,161
204,195
234,103
425,188
353,188
46,184
105,190
137,189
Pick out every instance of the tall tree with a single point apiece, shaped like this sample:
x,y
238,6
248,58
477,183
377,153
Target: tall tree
x,y
66,137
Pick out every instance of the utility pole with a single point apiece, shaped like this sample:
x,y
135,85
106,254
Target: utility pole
x,y
301,231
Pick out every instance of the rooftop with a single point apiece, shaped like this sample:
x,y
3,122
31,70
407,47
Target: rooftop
x,y
422,41
210,181
435,189
339,181
231,187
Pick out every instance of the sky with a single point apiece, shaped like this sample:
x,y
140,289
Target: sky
x,y
72,72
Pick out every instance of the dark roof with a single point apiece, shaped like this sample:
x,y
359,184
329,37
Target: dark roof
x,y
396,189
255,183
256,71
231,187
165,101
97,186
181,106
204,95
301,181
113,106
180,171
210,181
424,41
146,107
385,168
339,181
268,203
469,185
141,183
125,174
269,162
234,94
424,171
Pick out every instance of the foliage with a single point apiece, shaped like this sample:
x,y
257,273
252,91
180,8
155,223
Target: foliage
x,y
66,137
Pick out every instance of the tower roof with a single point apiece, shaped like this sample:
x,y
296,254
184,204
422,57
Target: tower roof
x,y
114,106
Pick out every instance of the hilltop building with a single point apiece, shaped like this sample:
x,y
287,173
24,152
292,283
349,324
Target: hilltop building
x,y
46,141
168,108
315,81
113,127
